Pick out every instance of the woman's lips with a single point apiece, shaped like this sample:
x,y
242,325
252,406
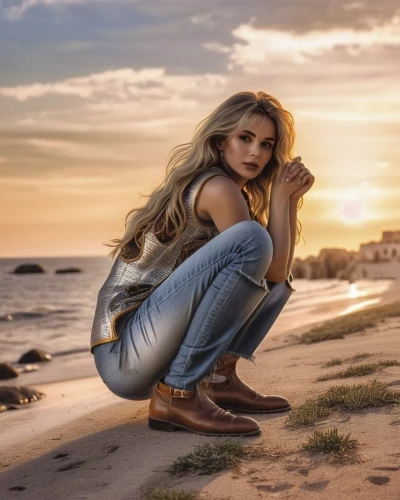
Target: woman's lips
x,y
251,165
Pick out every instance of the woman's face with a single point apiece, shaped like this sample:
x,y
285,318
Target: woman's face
x,y
247,151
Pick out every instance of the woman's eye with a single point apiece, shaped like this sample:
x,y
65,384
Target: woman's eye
x,y
246,138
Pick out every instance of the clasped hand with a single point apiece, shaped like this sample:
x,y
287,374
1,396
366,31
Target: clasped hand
x,y
293,180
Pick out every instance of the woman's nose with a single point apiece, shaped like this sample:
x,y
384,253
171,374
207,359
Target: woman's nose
x,y
255,150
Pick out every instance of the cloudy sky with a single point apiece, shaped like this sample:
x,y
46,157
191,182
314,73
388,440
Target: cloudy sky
x,y
95,93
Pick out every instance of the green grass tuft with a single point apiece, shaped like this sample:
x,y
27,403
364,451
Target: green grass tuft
x,y
354,397
360,357
390,362
330,441
350,323
335,329
339,361
307,414
332,362
351,371
212,457
359,370
170,495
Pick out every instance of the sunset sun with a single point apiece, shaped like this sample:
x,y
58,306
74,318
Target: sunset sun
x,y
352,209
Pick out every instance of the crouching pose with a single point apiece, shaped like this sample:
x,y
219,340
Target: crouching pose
x,y
203,272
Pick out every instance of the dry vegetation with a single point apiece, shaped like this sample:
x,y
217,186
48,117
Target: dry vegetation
x,y
329,441
352,398
350,323
353,359
359,370
213,457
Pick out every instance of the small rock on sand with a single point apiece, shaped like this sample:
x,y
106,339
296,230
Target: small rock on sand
x,y
7,371
34,356
19,395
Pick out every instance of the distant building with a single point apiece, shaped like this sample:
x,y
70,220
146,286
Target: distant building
x,y
379,259
330,263
374,260
391,237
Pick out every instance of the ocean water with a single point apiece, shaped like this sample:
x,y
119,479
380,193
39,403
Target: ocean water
x,y
54,312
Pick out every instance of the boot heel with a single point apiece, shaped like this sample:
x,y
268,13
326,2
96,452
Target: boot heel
x,y
159,425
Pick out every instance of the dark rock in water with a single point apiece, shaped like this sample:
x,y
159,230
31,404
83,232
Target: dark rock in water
x,y
6,317
7,371
68,270
40,313
28,269
34,356
19,395
18,315
26,315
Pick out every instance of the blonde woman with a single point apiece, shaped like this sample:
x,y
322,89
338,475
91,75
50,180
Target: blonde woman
x,y
203,271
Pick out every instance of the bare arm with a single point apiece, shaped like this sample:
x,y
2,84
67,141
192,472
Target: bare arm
x,y
222,200
293,229
304,179
291,183
279,229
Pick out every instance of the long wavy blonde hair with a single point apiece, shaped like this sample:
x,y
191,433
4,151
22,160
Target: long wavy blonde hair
x,y
165,205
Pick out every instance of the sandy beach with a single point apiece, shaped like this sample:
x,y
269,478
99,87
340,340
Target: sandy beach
x,y
82,442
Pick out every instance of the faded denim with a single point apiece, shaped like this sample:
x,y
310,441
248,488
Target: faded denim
x,y
216,301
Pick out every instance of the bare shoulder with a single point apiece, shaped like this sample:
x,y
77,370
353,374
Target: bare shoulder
x,y
221,201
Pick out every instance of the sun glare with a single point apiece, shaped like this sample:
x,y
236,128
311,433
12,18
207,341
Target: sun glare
x,y
355,292
352,209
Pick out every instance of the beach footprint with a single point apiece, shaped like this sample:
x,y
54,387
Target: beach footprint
x,y
73,465
378,479
110,448
274,488
316,486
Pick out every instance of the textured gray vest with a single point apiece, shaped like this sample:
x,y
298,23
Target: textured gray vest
x,y
132,280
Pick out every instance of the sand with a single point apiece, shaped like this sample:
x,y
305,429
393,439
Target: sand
x,y
82,442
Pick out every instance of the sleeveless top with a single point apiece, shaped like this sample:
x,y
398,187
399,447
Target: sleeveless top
x,y
132,280
134,277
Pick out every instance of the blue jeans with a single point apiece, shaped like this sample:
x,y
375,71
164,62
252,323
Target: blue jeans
x,y
216,301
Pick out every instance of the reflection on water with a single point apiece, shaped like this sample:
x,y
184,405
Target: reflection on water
x,y
321,300
360,305
311,294
355,292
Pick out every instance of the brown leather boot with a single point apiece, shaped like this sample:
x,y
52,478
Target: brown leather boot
x,y
172,409
227,391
